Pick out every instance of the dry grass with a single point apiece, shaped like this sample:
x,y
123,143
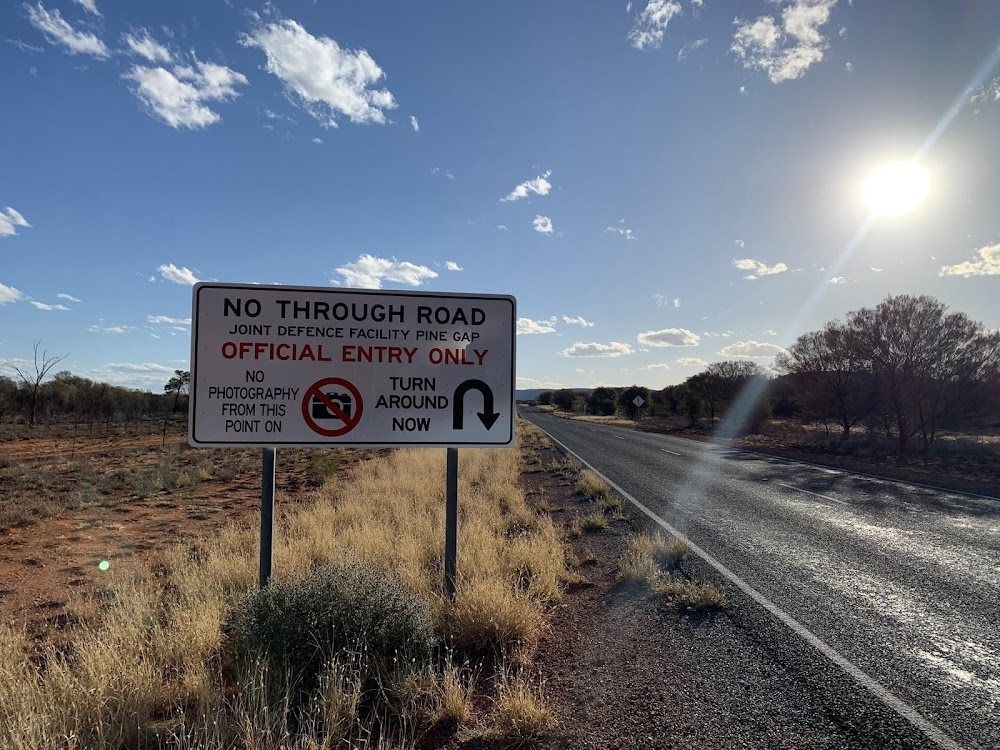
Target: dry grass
x,y
653,562
592,486
521,712
596,521
149,671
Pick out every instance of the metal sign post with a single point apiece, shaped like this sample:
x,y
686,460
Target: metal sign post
x,y
266,516
451,524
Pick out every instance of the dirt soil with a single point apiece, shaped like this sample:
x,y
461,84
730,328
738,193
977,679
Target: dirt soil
x,y
46,563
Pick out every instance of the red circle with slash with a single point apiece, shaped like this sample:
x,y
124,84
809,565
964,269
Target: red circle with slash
x,y
315,391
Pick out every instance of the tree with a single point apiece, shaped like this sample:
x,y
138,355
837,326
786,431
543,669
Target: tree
x,y
563,398
178,385
602,401
545,398
830,369
929,365
626,400
32,379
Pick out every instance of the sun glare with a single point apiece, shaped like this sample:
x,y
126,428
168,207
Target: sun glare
x,y
895,188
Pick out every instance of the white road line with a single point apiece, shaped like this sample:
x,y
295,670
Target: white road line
x,y
814,494
618,436
930,730
673,453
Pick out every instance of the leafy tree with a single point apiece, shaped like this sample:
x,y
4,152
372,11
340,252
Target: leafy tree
x,y
178,385
929,365
545,398
626,400
831,372
563,398
603,401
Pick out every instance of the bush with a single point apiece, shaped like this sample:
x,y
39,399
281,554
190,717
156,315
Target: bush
x,y
300,625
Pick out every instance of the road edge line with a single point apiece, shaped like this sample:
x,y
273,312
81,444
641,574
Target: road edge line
x,y
888,698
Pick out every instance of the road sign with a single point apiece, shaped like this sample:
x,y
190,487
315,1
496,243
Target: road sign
x,y
638,401
301,366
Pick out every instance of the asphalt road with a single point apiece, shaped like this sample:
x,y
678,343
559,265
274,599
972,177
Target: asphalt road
x,y
902,581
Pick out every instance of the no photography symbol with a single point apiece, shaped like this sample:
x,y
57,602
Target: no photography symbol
x,y
322,404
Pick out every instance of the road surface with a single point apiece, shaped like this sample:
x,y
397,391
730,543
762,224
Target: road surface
x,y
902,582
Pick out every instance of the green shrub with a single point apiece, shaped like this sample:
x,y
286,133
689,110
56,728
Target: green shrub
x,y
330,615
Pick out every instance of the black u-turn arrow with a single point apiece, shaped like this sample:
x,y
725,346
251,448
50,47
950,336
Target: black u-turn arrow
x,y
487,416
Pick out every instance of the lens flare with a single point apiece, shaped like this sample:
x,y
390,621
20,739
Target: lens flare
x,y
896,188
103,565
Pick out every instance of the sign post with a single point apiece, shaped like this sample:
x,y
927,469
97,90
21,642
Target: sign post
x,y
312,367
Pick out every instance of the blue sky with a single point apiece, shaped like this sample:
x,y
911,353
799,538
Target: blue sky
x,y
661,185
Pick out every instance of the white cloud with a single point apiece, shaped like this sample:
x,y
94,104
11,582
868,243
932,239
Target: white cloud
x,y
739,243
669,337
10,220
142,44
318,140
88,5
9,294
48,308
542,224
743,90
69,297
751,350
526,382
843,32
690,47
692,362
138,367
182,275
527,326
655,367
539,186
758,268
849,66
24,46
614,349
988,93
166,319
652,22
874,269
785,50
501,228
451,265
838,280
623,231
664,301
368,272
770,332
415,124
579,321
987,264
179,96
111,329
58,31
328,80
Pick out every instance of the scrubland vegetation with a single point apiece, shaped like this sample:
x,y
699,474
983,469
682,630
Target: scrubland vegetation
x,y
366,652
907,377
652,563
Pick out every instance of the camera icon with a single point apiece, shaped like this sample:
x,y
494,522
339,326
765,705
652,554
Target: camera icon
x,y
321,411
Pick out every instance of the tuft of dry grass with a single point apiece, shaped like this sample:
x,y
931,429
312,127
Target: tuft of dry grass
x,y
592,486
643,564
151,667
594,522
521,712
685,594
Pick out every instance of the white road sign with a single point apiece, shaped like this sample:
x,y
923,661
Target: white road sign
x,y
300,366
638,401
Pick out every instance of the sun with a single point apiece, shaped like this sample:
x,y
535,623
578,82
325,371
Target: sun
x,y
895,188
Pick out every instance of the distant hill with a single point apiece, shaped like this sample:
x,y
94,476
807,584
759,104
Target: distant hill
x,y
532,393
